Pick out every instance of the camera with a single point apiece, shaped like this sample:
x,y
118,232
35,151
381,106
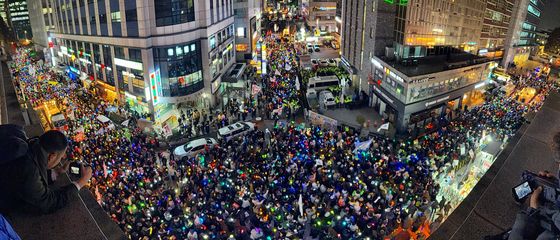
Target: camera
x,y
75,169
531,181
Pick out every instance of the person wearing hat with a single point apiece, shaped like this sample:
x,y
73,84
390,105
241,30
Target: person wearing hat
x,y
25,171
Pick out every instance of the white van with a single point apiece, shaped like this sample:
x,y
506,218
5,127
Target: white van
x,y
104,120
326,100
234,130
322,83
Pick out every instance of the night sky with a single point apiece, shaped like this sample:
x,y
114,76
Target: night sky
x,y
550,18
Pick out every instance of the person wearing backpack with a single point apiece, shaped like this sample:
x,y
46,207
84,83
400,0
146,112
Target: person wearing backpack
x,y
29,166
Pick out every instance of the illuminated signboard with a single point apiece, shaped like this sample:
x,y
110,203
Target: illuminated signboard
x,y
155,85
128,64
398,2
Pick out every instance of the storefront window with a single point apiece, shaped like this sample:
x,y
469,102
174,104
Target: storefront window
x,y
424,89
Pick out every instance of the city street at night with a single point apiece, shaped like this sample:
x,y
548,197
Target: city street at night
x,y
246,119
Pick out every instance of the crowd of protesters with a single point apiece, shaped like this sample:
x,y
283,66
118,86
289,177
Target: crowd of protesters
x,y
295,182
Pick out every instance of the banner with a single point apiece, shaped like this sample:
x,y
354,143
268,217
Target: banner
x,y
385,126
363,145
256,89
321,120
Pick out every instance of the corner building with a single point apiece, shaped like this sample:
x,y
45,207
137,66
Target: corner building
x,y
157,56
415,60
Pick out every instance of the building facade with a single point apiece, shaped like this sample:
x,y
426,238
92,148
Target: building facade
x,y
497,18
40,22
322,16
414,97
4,10
367,29
248,15
155,56
411,58
439,23
19,19
522,38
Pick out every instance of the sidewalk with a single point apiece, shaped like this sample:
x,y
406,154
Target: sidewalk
x,y
490,209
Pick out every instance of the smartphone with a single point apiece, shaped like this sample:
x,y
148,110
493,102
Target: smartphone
x,y
521,191
75,170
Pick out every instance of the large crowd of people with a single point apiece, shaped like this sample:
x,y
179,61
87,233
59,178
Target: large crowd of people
x,y
295,182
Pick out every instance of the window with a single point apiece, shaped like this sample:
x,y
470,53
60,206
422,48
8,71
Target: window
x,y
131,18
171,12
102,17
135,54
528,26
241,32
179,50
116,16
533,10
181,69
212,42
119,52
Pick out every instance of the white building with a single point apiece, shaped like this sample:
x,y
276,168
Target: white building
x,y
157,56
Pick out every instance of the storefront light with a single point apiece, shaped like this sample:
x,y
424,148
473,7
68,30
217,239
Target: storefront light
x,y
147,93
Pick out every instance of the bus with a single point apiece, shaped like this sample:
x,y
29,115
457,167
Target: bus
x,y
322,83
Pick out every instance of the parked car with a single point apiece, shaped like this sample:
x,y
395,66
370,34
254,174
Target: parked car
x,y
194,147
314,62
326,99
332,62
310,48
316,47
234,130
323,63
105,121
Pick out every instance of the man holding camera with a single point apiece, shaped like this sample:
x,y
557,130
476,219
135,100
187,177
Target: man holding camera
x,y
28,167
539,221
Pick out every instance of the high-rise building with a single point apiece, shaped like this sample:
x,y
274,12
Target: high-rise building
x,y
522,37
19,19
439,23
156,56
497,17
247,25
40,24
411,59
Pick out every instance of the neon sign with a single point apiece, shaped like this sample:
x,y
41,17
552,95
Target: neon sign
x,y
398,2
155,85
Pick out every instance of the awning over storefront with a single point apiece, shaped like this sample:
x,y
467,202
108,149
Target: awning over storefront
x,y
234,74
